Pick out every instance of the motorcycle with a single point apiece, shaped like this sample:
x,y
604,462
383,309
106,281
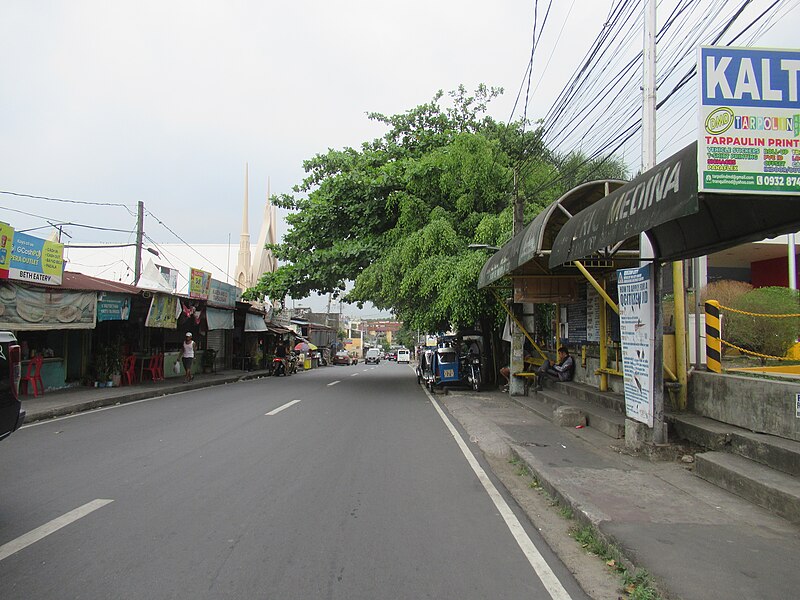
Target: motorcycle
x,y
472,370
292,360
278,367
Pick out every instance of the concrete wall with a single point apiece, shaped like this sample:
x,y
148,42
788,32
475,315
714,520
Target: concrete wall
x,y
761,405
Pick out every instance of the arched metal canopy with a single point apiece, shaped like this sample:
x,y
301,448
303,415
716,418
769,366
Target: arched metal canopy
x,y
681,223
527,253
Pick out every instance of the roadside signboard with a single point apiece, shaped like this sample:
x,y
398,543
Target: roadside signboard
x,y
637,333
35,260
223,294
6,240
199,284
749,135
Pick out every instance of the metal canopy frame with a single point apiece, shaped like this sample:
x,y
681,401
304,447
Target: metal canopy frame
x,y
527,253
681,223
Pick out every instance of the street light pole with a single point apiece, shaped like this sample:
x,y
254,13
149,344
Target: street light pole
x,y
137,272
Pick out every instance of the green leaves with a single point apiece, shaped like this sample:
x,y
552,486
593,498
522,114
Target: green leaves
x,y
396,216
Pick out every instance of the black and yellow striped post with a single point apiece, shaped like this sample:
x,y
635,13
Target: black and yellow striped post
x,y
713,337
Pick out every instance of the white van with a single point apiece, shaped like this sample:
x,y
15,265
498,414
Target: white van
x,y
403,356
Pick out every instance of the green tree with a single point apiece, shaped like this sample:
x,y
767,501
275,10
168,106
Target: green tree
x,y
396,216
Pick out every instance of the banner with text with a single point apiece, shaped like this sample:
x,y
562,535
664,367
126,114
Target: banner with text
x,y
6,242
199,284
36,260
749,138
637,333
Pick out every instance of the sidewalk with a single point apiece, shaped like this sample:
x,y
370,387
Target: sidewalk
x,y
59,403
697,541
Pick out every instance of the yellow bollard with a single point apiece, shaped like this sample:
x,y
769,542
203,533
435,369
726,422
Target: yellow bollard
x,y
713,337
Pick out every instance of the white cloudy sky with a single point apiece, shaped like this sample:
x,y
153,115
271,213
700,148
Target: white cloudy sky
x,y
164,101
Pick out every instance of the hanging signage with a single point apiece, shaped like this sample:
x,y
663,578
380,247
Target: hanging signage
x,y
35,260
199,284
749,138
6,239
637,333
223,294
593,314
113,307
34,308
163,312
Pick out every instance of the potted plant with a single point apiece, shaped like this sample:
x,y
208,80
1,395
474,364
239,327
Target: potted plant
x,y
108,366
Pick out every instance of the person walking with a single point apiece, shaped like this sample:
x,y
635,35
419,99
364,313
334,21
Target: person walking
x,y
188,357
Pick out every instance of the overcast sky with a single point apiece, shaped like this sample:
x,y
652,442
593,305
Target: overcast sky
x,y
164,102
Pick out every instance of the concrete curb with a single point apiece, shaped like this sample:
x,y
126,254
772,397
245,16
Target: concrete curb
x,y
34,415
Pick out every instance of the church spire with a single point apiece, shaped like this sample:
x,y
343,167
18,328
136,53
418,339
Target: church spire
x,y
243,263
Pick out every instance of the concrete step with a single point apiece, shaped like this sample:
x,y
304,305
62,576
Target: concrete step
x,y
774,452
776,491
706,433
573,389
544,403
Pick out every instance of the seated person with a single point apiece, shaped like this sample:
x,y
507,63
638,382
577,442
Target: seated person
x,y
563,370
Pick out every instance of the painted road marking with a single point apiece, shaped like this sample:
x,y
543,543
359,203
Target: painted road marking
x,y
37,534
536,560
353,374
280,408
333,383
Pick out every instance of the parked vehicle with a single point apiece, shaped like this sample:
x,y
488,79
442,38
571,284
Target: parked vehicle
x,y
403,356
392,355
286,366
440,366
343,358
278,366
373,356
11,413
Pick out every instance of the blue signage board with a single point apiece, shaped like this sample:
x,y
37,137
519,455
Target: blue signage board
x,y
35,260
749,128
113,307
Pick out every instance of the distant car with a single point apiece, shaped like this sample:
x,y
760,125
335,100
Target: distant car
x,y
342,358
373,356
391,355
403,356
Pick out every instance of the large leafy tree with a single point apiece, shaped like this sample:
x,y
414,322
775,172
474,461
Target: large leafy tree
x,y
397,215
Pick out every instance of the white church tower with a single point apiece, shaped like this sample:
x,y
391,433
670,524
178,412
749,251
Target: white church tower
x,y
264,260
244,277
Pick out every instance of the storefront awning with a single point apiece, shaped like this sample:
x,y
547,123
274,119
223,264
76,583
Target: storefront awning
x,y
527,252
278,329
680,222
219,319
254,322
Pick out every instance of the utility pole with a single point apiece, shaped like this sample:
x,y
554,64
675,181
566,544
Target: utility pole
x,y
137,273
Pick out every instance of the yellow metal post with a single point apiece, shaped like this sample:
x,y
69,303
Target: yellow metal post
x,y
713,339
680,332
603,342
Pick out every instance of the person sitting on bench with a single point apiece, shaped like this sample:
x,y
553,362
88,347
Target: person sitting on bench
x,y
563,370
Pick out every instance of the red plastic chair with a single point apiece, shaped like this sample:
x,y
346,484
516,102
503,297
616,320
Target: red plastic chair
x,y
155,367
34,375
129,370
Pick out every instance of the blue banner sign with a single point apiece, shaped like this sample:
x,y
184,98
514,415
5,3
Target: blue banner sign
x,y
113,307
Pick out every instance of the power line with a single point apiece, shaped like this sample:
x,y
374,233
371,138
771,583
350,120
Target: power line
x,y
64,200
165,226
22,212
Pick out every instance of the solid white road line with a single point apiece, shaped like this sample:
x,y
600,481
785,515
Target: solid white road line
x,y
280,408
37,534
333,383
536,560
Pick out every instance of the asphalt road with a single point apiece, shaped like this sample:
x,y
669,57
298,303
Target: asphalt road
x,y
351,490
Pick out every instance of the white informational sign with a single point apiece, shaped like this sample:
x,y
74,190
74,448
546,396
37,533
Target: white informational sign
x,y
592,315
637,333
749,138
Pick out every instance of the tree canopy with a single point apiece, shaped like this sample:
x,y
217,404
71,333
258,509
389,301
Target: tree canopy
x,y
396,216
